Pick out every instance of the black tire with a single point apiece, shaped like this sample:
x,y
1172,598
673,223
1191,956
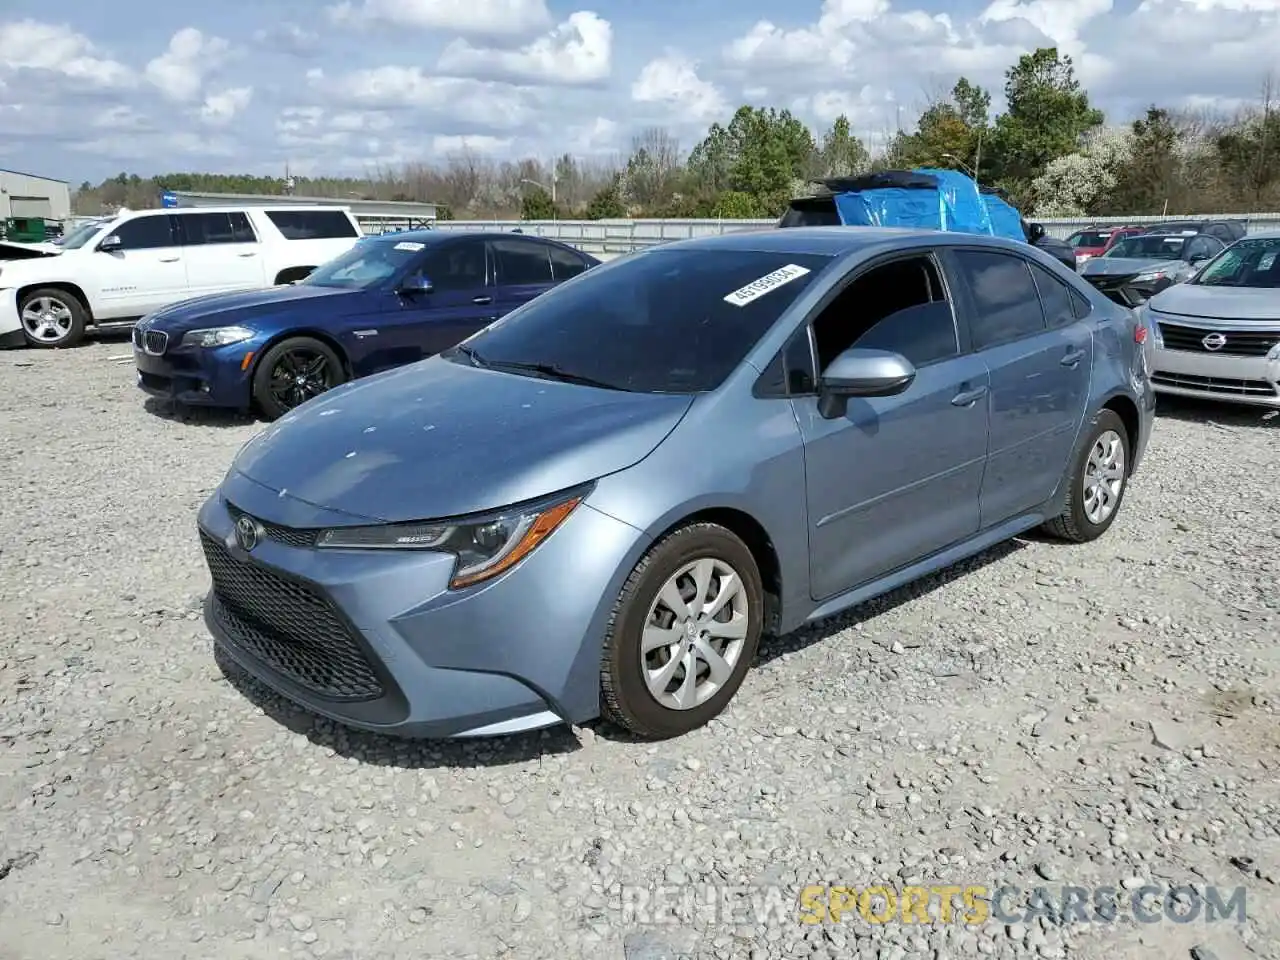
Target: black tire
x,y
1073,523
64,301
295,353
624,693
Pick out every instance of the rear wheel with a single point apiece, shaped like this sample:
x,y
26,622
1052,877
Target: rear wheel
x,y
294,371
684,633
52,318
1097,482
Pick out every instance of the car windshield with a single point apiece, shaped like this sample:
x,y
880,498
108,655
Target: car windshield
x,y
1089,238
1246,263
81,235
369,262
661,321
1148,247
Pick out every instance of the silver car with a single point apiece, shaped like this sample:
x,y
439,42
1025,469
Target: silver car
x,y
1218,335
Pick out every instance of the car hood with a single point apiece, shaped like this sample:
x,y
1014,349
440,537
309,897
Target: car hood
x,y
14,250
1123,266
1219,303
242,306
439,439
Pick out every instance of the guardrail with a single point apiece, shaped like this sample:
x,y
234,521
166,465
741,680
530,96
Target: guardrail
x,y
616,237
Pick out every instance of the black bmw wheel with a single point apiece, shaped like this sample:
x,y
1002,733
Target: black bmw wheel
x,y
293,372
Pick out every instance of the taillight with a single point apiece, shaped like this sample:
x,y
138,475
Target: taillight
x,y
1140,333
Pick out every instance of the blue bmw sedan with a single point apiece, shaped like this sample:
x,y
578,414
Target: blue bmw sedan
x,y
599,504
388,301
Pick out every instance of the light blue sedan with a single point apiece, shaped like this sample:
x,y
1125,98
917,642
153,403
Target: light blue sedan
x,y
600,503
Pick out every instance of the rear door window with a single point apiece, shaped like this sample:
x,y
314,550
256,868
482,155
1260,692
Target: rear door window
x,y
522,262
201,229
1006,302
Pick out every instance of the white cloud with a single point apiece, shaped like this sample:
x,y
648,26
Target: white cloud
x,y
220,108
577,51
597,137
477,18
179,73
121,119
446,144
497,106
865,109
672,81
57,49
289,38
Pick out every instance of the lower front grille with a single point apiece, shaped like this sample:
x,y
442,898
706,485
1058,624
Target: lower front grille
x,y
289,626
1223,385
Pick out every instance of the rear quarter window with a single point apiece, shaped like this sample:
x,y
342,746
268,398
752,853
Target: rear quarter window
x,y
312,224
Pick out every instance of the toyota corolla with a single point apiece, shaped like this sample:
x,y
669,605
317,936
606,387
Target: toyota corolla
x,y
600,503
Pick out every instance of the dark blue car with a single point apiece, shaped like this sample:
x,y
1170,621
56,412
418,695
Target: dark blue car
x,y
388,301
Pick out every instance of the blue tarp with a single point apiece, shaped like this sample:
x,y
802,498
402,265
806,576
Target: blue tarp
x,y
1006,221
953,203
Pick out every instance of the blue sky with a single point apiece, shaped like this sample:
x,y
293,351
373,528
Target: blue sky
x,y
89,88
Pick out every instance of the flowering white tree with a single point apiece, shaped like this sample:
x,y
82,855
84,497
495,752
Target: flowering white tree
x,y
1070,184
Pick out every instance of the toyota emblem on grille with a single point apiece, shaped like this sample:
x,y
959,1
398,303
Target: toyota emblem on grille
x,y
1214,341
247,533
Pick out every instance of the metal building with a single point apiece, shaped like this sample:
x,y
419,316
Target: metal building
x,y
28,195
362,209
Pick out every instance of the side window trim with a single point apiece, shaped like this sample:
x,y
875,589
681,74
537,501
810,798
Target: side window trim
x,y
933,254
1044,303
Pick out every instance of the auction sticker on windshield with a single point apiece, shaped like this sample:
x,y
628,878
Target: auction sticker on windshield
x,y
410,245
770,281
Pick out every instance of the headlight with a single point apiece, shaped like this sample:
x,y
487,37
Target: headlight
x,y
216,336
485,546
1149,276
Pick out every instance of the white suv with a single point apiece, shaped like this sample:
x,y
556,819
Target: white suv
x,y
142,260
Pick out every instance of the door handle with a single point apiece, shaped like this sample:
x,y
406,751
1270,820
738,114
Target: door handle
x,y
1073,358
967,398
168,259
481,301
251,253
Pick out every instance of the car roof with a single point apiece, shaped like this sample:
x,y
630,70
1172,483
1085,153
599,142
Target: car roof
x,y
236,208
440,236
1262,235
833,241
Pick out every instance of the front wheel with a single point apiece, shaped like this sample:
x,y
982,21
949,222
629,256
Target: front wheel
x,y
294,371
52,318
683,634
1097,482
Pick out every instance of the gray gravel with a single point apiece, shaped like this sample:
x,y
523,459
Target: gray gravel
x,y
1046,715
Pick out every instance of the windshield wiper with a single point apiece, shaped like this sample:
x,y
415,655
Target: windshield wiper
x,y
471,355
551,372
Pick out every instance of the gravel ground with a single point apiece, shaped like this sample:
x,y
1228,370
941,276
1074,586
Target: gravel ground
x,y
1045,715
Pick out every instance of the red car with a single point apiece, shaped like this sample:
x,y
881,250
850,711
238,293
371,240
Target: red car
x,y
1095,241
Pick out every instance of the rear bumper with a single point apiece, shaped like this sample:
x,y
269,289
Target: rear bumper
x,y
198,377
1254,381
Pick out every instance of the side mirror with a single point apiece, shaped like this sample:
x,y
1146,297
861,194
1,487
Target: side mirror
x,y
415,283
110,243
1035,233
1198,258
862,373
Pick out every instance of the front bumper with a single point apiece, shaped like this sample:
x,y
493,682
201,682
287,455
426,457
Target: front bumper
x,y
197,376
376,640
11,335
1247,380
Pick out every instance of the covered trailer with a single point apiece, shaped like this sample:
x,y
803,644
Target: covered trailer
x,y
926,198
